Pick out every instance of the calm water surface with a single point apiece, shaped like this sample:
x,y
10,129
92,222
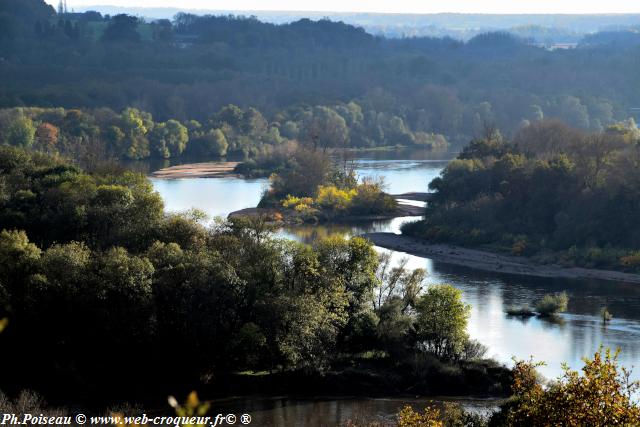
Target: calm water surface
x,y
575,334
329,411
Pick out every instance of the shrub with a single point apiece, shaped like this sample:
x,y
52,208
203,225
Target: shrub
x,y
552,304
519,247
410,418
631,261
370,199
601,396
334,199
291,202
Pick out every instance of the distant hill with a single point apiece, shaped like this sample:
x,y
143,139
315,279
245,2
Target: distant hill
x,y
540,28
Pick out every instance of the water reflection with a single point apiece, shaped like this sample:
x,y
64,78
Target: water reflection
x,y
215,196
334,412
568,338
579,332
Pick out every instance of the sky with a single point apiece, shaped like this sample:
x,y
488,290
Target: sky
x,y
386,6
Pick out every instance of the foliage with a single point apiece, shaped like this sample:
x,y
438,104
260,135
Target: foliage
x,y
21,132
442,321
335,199
605,315
601,396
552,304
552,191
410,418
386,92
81,249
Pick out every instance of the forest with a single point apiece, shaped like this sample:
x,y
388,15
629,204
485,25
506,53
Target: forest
x,y
87,136
117,291
191,67
552,191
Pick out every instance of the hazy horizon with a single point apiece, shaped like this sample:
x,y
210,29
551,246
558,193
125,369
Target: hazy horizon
x,y
495,7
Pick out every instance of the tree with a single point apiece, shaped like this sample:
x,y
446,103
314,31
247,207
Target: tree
x,y
308,170
324,128
18,258
169,139
21,132
122,28
136,124
441,324
46,137
397,281
162,30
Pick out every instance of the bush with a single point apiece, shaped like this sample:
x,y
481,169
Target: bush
x,y
334,199
370,199
552,304
631,261
601,396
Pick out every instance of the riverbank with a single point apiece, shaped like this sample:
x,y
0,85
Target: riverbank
x,y
198,170
376,377
490,261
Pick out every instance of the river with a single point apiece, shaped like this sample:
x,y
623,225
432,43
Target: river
x,y
577,333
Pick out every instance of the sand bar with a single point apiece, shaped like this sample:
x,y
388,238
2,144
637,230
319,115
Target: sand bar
x,y
197,170
490,261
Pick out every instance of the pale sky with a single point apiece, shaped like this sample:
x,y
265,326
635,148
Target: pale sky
x,y
386,6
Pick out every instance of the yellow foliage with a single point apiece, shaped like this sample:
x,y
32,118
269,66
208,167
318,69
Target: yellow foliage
x,y
192,408
410,418
334,198
631,261
519,247
291,202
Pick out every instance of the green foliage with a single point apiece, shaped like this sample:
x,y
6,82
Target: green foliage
x,y
122,28
21,132
442,321
552,304
169,139
552,190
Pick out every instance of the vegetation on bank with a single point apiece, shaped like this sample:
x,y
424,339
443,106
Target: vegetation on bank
x,y
307,185
601,395
552,192
91,267
100,134
548,305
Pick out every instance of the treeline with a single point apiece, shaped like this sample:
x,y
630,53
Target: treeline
x,y
551,191
191,66
114,291
102,134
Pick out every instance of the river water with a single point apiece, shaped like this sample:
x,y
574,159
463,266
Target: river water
x,y
575,334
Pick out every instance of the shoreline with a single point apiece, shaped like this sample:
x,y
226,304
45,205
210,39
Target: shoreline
x,y
402,210
491,261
